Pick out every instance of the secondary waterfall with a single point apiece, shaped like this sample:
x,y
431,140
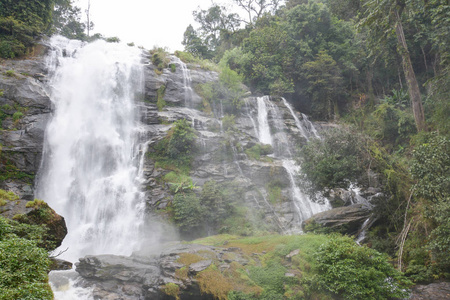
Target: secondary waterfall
x,y
303,205
90,170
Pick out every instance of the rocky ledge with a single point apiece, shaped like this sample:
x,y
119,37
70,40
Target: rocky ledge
x,y
147,275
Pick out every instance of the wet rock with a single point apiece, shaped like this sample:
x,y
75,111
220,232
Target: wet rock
x,y
433,291
348,219
59,264
23,137
143,275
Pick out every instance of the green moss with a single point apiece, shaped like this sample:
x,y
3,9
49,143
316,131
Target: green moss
x,y
5,197
17,116
160,103
171,289
36,203
10,73
257,150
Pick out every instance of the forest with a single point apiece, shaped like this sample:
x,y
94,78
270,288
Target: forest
x,y
378,69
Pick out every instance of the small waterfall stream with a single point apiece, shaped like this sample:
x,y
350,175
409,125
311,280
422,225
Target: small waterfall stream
x,y
303,205
187,82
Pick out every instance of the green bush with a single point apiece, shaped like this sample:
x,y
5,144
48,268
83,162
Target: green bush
x,y
356,272
188,213
335,161
175,151
23,265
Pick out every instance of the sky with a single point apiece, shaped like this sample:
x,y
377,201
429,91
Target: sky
x,y
147,23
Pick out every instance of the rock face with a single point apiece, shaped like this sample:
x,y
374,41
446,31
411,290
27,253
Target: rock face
x,y
146,274
24,111
433,291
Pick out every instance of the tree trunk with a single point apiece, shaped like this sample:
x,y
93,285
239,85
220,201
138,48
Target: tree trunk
x,y
410,76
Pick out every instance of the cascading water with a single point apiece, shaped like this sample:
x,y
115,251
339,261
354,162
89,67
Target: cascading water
x,y
187,82
90,171
263,121
303,205
306,127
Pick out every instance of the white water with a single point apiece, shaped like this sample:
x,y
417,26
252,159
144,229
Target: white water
x,y
187,83
303,205
90,171
306,127
264,134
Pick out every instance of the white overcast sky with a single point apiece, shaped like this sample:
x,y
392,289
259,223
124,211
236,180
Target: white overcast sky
x,y
145,22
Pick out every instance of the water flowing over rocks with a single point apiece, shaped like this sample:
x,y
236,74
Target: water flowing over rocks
x,y
224,155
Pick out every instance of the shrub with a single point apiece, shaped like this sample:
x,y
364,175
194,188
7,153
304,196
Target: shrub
x,y
188,213
335,161
356,272
23,265
176,149
160,59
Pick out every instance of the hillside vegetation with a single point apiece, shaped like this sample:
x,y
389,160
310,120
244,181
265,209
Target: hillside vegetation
x,y
379,69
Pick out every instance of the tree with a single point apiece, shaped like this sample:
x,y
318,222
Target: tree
x,y
386,15
194,44
67,20
325,84
215,22
21,22
256,8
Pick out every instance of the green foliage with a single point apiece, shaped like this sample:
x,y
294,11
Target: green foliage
x,y
257,150
160,102
188,212
431,170
20,22
67,20
160,59
10,73
176,149
113,39
23,265
17,116
334,161
358,272
171,289
7,196
325,85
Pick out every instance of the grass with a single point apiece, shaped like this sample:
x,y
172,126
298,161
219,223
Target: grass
x,y
264,275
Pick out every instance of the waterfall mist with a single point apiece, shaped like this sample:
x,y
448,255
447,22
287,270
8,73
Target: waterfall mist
x,y
90,171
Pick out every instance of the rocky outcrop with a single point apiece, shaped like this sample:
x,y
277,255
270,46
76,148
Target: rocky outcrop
x,y
37,212
147,274
432,291
24,111
347,219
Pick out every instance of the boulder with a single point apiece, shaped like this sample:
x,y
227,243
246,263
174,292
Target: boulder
x,y
348,219
146,273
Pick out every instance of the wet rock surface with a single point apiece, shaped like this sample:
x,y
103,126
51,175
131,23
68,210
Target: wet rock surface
x,y
349,218
145,274
26,108
432,291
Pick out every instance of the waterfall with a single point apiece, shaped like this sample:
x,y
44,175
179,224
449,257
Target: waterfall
x,y
264,134
93,146
303,205
187,83
306,127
